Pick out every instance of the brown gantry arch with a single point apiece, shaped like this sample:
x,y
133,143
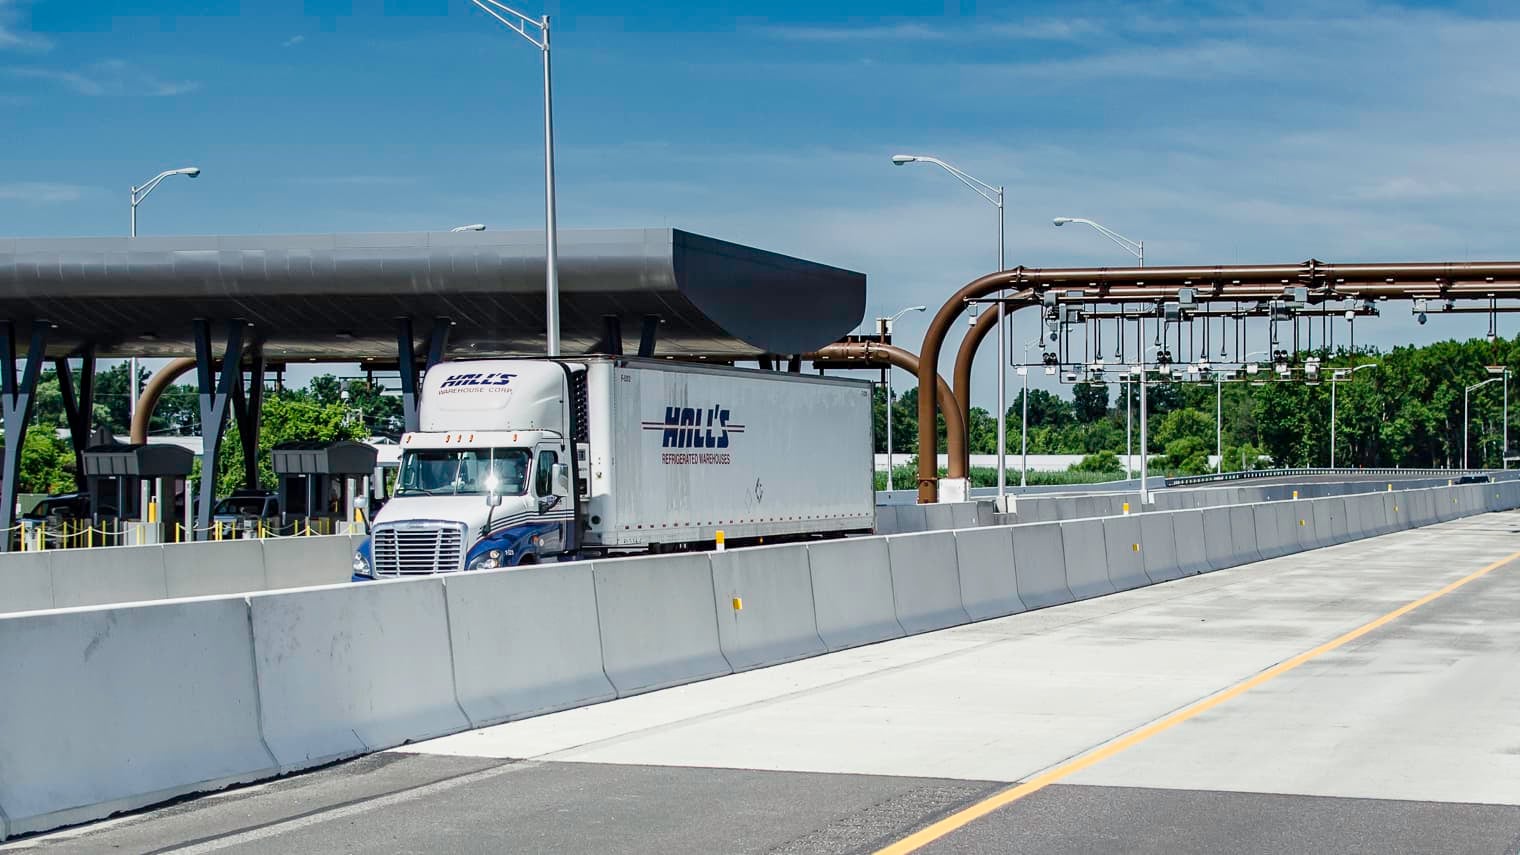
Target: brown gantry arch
x,y
1319,281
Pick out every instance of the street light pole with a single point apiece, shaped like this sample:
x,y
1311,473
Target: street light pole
x,y
1466,395
1333,384
884,329
1219,422
995,196
1135,247
141,193
138,195
519,23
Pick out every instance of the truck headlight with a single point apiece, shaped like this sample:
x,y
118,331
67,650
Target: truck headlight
x,y
488,560
361,565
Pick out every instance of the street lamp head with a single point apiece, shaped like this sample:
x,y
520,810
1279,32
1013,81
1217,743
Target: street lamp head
x,y
474,227
900,159
1061,221
190,171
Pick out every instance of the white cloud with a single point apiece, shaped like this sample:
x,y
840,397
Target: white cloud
x,y
356,180
41,193
293,41
906,31
111,77
11,37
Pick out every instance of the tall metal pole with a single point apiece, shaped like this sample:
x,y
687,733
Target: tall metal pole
x,y
1465,393
1504,452
1129,426
1002,386
1024,433
1332,419
551,222
1219,422
133,233
1145,496
889,428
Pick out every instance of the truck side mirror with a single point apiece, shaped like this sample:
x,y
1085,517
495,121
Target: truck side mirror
x,y
361,501
493,500
561,478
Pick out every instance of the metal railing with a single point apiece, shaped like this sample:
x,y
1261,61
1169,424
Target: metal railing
x,y
1189,480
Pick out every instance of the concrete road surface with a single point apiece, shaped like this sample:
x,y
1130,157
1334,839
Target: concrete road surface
x,y
1230,712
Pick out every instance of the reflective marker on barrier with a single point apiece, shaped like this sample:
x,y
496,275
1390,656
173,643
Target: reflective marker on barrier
x,y
1126,508
738,604
719,540
1135,547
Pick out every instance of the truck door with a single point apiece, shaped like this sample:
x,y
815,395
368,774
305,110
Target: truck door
x,y
555,515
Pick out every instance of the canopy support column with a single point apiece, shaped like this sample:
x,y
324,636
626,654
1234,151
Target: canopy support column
x,y
215,388
16,408
78,407
248,413
406,356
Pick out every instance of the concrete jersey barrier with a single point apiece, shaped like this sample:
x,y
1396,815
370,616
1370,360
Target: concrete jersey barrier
x,y
1124,548
1039,560
1192,543
764,602
852,592
988,579
1082,543
926,586
1158,545
113,709
525,641
657,623
348,669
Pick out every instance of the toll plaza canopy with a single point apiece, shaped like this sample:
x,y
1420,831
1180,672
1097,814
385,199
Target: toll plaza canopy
x,y
340,296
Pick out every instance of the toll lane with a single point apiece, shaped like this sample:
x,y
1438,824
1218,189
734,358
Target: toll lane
x,y
1383,744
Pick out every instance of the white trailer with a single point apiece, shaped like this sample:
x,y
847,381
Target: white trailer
x,y
666,455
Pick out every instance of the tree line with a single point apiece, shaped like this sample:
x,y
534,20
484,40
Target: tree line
x,y
1406,412
317,411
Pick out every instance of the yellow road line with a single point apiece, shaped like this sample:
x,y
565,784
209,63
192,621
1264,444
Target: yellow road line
x,y
1003,798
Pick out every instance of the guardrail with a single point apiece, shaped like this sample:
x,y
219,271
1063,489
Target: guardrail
x,y
116,708
1189,480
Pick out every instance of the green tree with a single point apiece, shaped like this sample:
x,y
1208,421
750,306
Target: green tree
x,y
1103,461
1089,401
285,418
47,463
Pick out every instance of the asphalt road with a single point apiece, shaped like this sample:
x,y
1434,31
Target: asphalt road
x,y
1228,712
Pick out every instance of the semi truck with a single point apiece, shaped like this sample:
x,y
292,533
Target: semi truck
x,y
523,461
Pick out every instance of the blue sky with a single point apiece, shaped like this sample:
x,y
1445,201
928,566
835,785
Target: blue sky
x,y
1217,132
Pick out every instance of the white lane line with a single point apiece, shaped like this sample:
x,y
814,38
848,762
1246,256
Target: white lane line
x,y
280,828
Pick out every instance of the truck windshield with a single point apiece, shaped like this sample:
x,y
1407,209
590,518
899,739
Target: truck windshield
x,y
463,472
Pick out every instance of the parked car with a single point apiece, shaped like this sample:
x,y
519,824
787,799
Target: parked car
x,y
64,506
247,508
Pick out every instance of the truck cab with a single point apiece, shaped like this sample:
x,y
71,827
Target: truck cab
x,y
486,482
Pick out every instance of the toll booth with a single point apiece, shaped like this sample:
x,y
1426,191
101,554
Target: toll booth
x,y
137,491
318,482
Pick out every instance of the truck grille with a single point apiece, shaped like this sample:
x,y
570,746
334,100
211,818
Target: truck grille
x,y
411,549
